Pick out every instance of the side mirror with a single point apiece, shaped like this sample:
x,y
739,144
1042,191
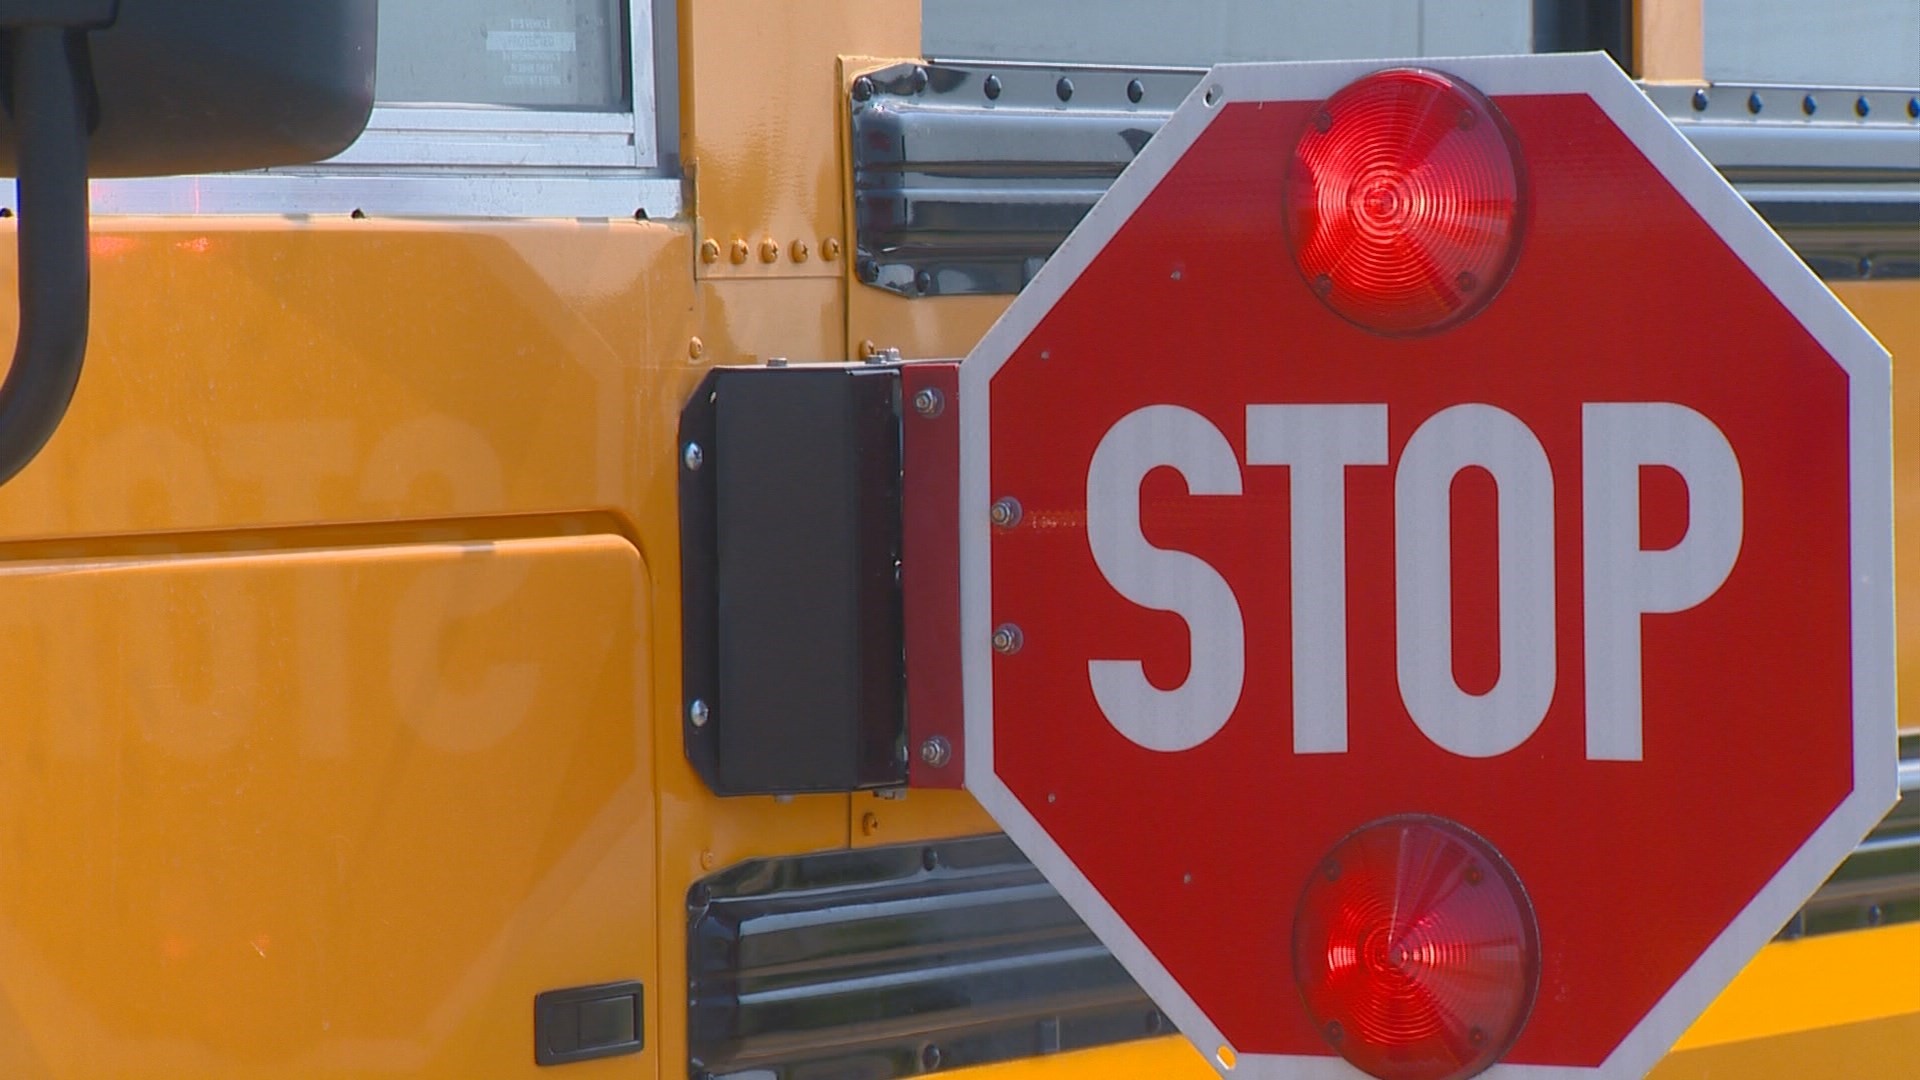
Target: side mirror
x,y
149,88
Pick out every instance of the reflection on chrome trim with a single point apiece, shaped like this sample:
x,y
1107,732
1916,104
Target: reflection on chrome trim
x,y
1879,884
968,175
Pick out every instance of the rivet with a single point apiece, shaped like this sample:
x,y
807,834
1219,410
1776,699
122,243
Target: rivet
x,y
1808,105
1214,94
1064,89
1005,513
869,824
868,349
1700,100
797,251
929,402
930,1058
695,348
923,282
1007,639
1754,104
692,456
358,214
936,752
991,87
769,250
1136,90
739,252
1913,108
697,712
1861,107
867,270
1155,1022
919,80
1875,915
830,248
709,251
862,88
707,860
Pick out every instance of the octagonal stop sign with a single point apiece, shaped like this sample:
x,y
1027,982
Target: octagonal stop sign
x,y
1436,613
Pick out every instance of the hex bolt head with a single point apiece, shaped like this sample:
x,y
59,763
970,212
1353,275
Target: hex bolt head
x,y
936,752
929,402
1006,512
1007,639
698,713
692,456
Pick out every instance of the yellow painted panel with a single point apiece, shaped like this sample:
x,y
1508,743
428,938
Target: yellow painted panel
x,y
764,121
1891,309
1825,981
324,813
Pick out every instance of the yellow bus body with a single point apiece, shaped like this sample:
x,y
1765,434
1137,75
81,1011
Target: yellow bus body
x,y
339,625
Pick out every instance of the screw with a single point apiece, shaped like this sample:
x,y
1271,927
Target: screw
x,y
695,348
1754,104
709,251
1335,1032
1466,281
936,752
1475,875
1136,90
929,402
867,270
1214,94
1323,121
991,87
797,251
1155,1022
1875,915
923,281
738,253
1913,108
869,824
1006,512
1007,639
919,80
1330,870
1476,1036
930,859
1063,89
707,860
698,713
692,456
1808,105
930,1058
862,88
1861,107
830,248
1700,100
769,250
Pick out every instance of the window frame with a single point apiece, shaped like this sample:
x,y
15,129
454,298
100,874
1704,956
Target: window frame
x,y
479,160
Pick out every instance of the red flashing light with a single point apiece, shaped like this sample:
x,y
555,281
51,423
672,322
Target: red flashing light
x,y
1403,202
1416,950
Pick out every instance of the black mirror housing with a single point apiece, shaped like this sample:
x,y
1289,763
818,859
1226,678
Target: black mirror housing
x,y
195,86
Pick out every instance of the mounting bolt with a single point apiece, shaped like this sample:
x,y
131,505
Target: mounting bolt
x,y
698,713
1006,512
929,402
692,456
1007,639
936,752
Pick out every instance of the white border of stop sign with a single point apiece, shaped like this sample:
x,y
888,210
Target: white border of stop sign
x,y
1715,473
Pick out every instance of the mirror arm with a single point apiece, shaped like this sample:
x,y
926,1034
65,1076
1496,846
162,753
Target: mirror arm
x,y
50,112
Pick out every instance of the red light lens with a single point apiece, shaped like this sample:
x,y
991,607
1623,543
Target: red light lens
x,y
1403,202
1416,950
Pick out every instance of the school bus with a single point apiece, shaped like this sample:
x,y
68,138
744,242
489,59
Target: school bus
x,y
342,614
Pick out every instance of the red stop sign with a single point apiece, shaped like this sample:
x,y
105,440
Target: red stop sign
x,y
1594,565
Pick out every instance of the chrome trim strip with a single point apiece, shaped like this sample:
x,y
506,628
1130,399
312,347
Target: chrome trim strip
x,y
441,195
967,175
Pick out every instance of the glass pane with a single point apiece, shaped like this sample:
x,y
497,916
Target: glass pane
x,y
1202,32
550,54
1837,43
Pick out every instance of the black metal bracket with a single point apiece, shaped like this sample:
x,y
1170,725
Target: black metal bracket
x,y
792,654
50,97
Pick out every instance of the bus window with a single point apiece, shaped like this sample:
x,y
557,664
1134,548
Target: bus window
x,y
1865,43
545,54
1197,33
